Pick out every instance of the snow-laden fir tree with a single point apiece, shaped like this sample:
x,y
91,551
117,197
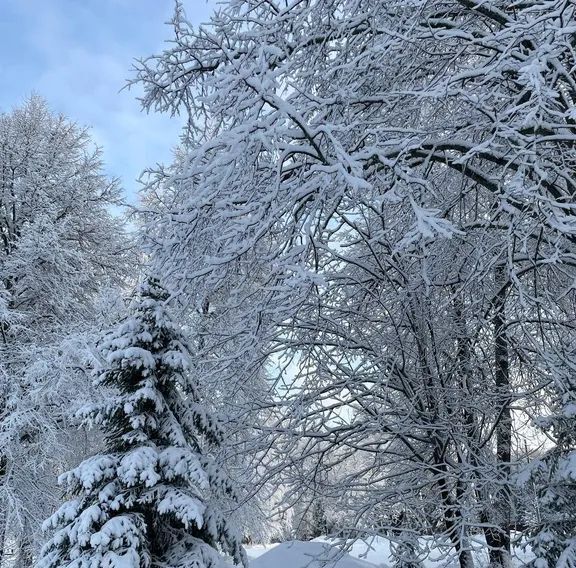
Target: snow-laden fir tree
x,y
554,540
152,498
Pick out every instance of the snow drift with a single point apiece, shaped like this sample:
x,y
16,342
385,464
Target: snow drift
x,y
298,554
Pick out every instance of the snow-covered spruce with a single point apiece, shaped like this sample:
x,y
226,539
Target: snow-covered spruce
x,y
149,500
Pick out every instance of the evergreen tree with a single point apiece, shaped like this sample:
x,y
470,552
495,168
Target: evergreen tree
x,y
554,539
151,499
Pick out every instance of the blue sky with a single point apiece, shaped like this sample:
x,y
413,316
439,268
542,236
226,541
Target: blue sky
x,y
77,54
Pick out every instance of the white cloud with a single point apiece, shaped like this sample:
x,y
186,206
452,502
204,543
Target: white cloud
x,y
78,56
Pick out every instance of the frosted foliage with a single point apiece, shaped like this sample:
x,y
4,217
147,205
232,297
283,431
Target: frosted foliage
x,y
63,256
375,203
150,499
554,539
60,244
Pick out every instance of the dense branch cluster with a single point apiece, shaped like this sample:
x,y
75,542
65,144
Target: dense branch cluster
x,y
378,200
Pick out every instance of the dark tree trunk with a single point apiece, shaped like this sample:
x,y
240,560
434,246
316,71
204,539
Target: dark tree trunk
x,y
24,558
452,509
498,533
452,513
2,510
2,530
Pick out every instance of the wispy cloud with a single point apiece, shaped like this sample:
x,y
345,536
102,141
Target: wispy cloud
x,y
78,56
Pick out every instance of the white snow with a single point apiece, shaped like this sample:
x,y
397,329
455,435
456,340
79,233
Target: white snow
x,y
360,554
298,554
256,550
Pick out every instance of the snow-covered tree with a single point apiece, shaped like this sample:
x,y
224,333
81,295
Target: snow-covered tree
x,y
228,353
387,190
553,538
63,259
60,243
152,498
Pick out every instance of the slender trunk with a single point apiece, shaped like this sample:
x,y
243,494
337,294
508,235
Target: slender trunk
x,y
2,510
2,530
498,533
452,513
24,556
464,379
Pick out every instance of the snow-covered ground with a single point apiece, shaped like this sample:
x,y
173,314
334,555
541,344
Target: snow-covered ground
x,y
361,554
296,554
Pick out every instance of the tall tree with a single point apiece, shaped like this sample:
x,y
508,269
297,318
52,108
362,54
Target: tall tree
x,y
63,256
405,171
60,242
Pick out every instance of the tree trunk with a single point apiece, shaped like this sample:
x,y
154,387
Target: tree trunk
x,y
2,510
2,531
452,513
24,555
498,534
